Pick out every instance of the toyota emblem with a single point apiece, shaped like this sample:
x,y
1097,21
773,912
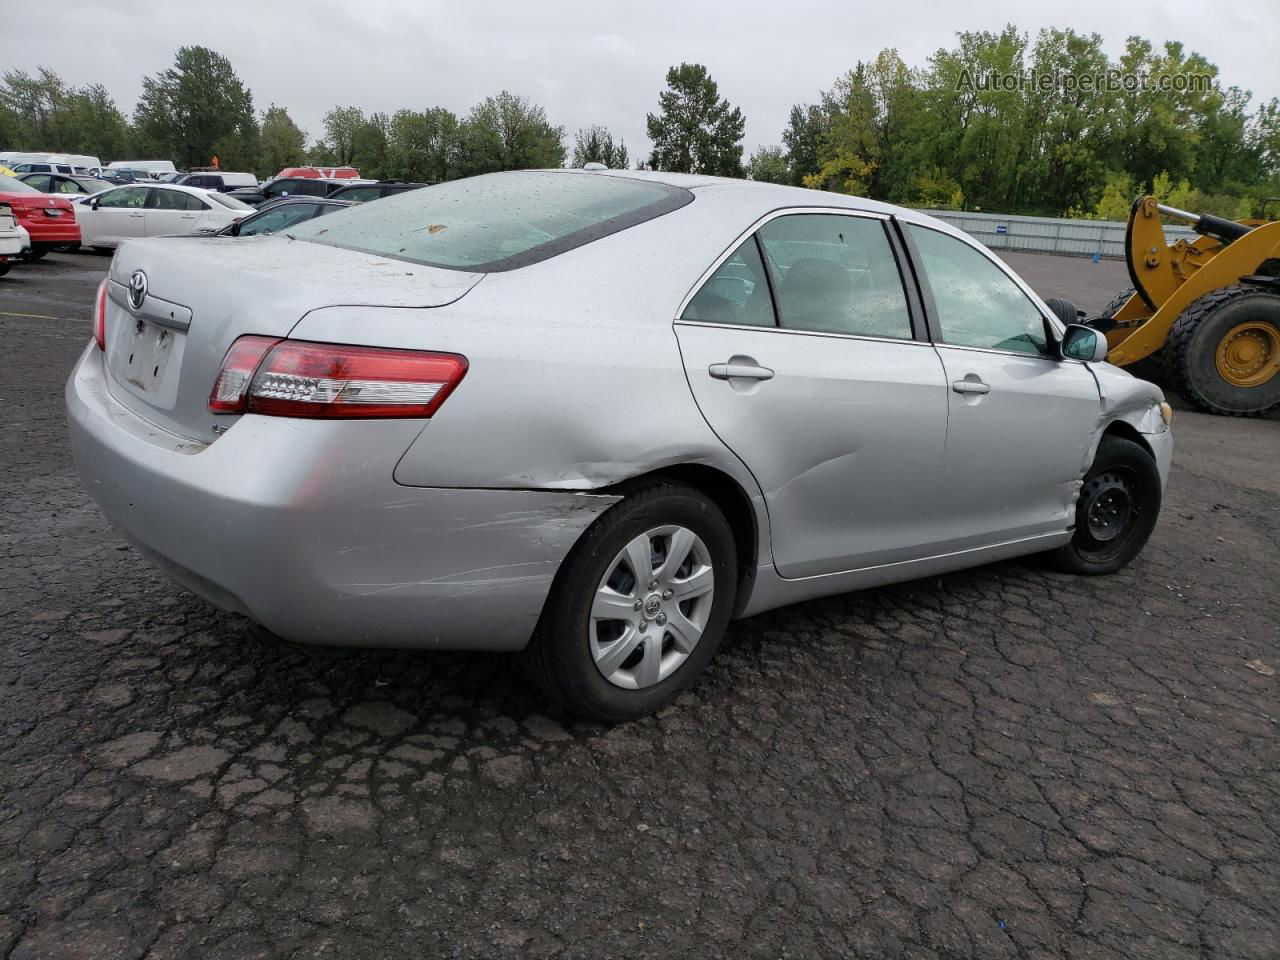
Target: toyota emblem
x,y
137,289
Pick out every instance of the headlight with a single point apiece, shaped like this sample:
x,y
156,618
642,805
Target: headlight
x,y
1166,413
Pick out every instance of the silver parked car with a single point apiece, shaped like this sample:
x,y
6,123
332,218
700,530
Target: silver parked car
x,y
594,416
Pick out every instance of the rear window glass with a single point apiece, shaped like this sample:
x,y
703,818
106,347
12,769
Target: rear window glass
x,y
231,202
16,186
496,222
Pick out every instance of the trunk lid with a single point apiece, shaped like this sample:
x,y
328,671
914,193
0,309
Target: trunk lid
x,y
164,353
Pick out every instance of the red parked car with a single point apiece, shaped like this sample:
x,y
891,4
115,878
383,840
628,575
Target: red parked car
x,y
320,173
49,218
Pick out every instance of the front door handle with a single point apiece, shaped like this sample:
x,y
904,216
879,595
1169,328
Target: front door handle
x,y
137,214
970,386
738,370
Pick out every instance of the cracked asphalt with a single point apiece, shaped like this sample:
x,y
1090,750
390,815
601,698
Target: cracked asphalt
x,y
1003,762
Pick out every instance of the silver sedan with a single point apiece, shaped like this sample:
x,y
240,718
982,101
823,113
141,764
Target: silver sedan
x,y
593,416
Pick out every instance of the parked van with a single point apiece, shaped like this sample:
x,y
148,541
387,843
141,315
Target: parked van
x,y
220,180
151,167
46,162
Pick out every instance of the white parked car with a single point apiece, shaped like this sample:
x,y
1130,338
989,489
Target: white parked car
x,y
143,210
12,238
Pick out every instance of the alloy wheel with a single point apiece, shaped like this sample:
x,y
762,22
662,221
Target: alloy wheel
x,y
651,607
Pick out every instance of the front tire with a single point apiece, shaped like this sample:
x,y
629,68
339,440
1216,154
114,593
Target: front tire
x,y
639,607
1117,510
38,253
1225,351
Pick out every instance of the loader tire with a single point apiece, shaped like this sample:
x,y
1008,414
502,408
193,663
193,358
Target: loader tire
x,y
1103,321
1064,310
1224,351
1116,302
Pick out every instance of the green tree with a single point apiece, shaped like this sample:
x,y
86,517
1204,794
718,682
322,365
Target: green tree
x,y
369,147
595,145
507,132
87,121
1117,197
341,127
196,109
424,145
769,165
281,142
802,139
1264,135
849,150
1159,130
31,102
695,130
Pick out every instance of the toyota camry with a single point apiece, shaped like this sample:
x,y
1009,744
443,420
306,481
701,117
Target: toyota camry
x,y
593,416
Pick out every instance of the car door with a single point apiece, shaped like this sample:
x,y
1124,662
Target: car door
x,y
1021,418
172,212
116,215
804,357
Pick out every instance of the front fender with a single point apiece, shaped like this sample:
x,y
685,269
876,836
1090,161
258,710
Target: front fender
x,y
1127,400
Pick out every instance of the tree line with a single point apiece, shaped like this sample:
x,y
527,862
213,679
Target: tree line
x,y
944,134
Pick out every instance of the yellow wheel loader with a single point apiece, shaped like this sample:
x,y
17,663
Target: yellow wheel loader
x,y
1211,304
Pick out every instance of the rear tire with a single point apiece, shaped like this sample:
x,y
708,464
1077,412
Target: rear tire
x,y
4,268
38,253
1117,509
572,656
1224,351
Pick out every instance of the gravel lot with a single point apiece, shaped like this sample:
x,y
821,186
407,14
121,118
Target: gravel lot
x,y
999,763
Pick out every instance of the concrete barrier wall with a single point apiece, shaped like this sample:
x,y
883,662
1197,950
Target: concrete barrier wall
x,y
1073,238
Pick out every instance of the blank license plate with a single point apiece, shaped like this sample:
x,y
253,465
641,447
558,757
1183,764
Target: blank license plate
x,y
149,350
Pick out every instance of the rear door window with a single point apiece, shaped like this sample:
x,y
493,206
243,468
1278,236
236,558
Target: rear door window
x,y
738,292
175,200
836,274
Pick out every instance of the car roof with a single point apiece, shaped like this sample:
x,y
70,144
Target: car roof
x,y
775,195
157,185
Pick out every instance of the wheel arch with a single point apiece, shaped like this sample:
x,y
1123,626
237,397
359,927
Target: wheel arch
x,y
734,502
1122,428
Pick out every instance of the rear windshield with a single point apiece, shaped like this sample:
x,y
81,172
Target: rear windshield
x,y
231,202
16,186
495,222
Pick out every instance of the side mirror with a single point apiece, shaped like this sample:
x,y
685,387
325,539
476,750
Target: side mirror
x,y
1084,343
235,229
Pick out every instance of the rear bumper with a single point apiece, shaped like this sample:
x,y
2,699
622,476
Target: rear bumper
x,y
48,231
299,525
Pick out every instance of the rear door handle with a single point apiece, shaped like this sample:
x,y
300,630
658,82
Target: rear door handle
x,y
739,370
970,386
137,214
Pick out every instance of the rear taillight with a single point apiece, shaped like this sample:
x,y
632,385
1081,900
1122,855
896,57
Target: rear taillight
x,y
100,317
293,378
231,390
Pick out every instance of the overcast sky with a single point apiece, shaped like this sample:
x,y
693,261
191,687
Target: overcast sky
x,y
585,62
